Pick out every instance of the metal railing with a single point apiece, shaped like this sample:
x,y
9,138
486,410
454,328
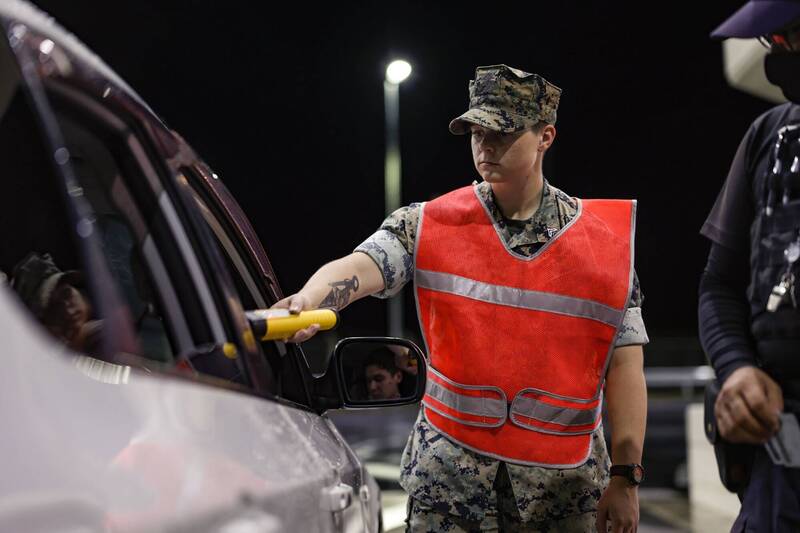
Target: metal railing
x,y
685,378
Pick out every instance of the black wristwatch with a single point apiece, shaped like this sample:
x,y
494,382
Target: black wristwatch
x,y
633,472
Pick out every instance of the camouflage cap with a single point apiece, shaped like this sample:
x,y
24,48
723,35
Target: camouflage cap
x,y
506,99
36,277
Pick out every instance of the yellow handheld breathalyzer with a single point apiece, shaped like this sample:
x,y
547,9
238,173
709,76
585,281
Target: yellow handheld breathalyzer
x,y
272,324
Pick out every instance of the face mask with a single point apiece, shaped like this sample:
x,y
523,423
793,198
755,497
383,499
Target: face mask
x,y
783,70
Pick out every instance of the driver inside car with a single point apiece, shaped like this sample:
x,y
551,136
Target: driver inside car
x,y
58,301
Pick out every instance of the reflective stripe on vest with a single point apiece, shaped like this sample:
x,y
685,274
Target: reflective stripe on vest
x,y
471,405
519,345
539,411
485,406
534,300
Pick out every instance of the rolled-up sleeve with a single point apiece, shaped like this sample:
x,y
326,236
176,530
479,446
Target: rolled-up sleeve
x,y
392,258
632,331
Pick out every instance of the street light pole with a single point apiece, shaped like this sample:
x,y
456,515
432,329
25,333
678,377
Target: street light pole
x,y
396,72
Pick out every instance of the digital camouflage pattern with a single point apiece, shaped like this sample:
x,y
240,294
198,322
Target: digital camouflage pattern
x,y
451,480
453,487
506,99
423,518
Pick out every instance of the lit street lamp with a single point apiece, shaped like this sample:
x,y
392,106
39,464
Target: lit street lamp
x,y
396,72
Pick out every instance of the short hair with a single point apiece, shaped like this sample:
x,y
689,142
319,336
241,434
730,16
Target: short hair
x,y
538,127
384,358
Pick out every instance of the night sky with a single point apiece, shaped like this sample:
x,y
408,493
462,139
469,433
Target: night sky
x,y
288,110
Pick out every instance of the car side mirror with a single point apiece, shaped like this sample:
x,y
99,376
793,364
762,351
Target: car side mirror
x,y
379,371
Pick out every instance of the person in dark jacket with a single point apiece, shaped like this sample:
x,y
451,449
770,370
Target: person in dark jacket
x,y
748,316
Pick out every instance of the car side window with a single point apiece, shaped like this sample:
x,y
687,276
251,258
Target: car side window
x,y
37,254
139,244
122,232
282,361
40,254
47,268
100,242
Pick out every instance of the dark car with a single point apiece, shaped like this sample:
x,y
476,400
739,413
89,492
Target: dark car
x,y
135,394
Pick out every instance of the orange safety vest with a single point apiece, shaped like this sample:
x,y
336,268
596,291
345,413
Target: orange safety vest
x,y
519,346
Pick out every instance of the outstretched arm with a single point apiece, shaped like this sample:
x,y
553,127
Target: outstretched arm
x,y
335,285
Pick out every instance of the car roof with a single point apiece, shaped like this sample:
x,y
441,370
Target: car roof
x,y
15,12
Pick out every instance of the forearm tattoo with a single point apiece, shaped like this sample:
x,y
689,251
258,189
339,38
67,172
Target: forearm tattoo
x,y
340,293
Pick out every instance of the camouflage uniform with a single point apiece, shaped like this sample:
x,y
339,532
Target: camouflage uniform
x,y
506,99
451,488
553,500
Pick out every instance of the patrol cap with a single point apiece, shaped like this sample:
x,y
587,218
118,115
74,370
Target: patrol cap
x,y
506,99
757,18
36,277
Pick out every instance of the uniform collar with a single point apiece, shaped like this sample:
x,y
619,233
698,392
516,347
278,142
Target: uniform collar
x,y
539,228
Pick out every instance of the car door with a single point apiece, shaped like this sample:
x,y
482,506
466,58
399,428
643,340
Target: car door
x,y
258,288
171,421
